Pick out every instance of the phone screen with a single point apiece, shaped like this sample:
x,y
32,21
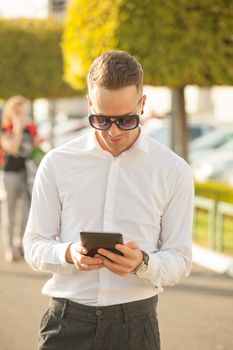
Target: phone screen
x,y
92,241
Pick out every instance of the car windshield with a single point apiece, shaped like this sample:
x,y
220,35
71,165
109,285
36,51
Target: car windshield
x,y
161,134
213,139
228,146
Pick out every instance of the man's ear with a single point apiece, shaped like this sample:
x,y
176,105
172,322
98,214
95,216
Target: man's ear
x,y
143,103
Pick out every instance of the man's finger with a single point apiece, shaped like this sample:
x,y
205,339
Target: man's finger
x,y
87,260
79,248
132,245
86,267
91,267
112,256
114,267
126,251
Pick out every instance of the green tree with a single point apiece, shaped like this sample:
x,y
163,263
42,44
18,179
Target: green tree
x,y
31,59
178,43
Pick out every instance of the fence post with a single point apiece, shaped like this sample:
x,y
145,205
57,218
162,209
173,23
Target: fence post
x,y
210,205
222,209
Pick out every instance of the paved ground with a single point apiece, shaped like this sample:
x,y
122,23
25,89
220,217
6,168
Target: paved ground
x,y
196,315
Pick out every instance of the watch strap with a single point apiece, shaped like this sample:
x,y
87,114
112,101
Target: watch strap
x,y
141,268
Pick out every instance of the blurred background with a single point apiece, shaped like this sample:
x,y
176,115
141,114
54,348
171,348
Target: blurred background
x,y
186,50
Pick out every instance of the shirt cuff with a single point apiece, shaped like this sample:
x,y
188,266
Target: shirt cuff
x,y
151,270
61,253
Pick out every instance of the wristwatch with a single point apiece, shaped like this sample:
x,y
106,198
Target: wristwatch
x,y
140,269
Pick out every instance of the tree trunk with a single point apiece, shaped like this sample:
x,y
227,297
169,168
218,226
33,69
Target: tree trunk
x,y
179,128
52,112
31,111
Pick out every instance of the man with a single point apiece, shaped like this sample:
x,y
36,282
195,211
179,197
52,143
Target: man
x,y
116,179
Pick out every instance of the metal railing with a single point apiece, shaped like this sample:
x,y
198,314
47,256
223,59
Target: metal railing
x,y
223,209
210,206
217,211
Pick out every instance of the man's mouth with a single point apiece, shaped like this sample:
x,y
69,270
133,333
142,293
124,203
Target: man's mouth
x,y
116,139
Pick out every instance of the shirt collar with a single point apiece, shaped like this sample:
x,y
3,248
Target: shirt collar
x,y
141,143
91,142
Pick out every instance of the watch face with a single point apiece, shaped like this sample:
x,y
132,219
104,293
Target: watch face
x,y
145,258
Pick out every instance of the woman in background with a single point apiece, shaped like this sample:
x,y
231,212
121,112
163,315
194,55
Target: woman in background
x,y
18,138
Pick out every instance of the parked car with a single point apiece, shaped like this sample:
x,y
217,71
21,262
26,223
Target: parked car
x,y
217,164
67,137
212,141
216,167
160,130
64,131
68,126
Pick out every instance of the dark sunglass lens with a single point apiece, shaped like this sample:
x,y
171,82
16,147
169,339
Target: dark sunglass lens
x,y
100,122
127,122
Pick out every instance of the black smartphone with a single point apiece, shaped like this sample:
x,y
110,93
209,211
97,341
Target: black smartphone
x,y
92,241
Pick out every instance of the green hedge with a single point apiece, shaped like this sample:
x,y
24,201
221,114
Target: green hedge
x,y
31,59
215,190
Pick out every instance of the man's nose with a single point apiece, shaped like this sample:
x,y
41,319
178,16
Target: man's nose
x,y
114,130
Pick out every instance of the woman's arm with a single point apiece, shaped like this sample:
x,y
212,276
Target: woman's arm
x,y
10,143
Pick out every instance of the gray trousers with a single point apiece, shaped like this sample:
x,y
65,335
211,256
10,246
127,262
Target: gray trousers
x,y
15,207
130,326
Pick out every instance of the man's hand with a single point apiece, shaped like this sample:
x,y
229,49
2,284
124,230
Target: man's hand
x,y
122,265
75,254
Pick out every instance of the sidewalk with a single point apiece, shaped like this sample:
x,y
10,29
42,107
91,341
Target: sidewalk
x,y
195,315
22,305
213,260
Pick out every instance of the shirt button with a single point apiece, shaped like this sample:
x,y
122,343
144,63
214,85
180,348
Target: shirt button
x,y
98,312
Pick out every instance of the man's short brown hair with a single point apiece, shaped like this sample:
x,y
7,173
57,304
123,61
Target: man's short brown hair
x,y
114,70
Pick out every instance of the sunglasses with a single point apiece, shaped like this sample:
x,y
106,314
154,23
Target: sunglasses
x,y
124,122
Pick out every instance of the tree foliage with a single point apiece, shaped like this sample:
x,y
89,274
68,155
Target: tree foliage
x,y
90,29
31,59
177,42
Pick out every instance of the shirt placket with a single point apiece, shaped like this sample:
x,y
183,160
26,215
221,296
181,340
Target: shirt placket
x,y
110,195
108,222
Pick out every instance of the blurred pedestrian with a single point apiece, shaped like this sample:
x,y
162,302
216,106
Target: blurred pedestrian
x,y
18,139
115,179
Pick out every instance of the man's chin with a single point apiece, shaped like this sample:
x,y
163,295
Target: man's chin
x,y
114,150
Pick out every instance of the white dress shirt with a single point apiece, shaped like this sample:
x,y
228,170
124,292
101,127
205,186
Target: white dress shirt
x,y
146,193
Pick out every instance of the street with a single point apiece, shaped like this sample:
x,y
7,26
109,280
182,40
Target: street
x,y
195,315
